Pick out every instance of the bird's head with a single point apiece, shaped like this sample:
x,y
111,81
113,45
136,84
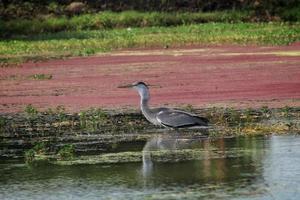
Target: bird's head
x,y
141,87
138,85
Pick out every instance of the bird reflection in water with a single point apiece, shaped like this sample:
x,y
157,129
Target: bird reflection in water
x,y
171,144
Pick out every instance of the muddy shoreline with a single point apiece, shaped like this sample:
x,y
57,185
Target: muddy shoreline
x,y
58,135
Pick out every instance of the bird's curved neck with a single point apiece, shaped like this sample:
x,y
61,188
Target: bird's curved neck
x,y
146,110
145,97
145,105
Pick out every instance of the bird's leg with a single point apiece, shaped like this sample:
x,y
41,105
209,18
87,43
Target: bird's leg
x,y
177,133
167,131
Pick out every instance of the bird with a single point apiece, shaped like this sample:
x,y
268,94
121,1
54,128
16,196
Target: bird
x,y
165,117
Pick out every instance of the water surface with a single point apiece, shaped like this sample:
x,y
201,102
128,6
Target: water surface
x,y
232,168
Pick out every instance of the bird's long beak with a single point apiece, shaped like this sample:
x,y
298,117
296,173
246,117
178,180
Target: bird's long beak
x,y
154,86
125,86
130,86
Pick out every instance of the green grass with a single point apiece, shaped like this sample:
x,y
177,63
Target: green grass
x,y
82,43
108,20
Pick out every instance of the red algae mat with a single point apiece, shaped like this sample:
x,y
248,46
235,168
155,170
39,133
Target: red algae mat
x,y
227,76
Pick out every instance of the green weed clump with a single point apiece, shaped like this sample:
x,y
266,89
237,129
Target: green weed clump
x,y
31,111
39,149
92,119
67,152
249,121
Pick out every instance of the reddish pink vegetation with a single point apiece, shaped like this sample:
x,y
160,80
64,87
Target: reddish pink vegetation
x,y
203,76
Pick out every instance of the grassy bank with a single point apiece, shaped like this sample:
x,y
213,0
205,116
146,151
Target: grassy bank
x,y
108,20
81,43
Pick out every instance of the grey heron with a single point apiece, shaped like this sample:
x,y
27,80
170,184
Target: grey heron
x,y
165,117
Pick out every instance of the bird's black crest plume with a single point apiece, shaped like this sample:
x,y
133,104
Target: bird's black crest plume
x,y
141,83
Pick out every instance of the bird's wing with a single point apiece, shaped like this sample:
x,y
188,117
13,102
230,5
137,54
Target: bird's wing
x,y
178,119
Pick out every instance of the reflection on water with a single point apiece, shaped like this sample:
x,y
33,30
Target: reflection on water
x,y
232,168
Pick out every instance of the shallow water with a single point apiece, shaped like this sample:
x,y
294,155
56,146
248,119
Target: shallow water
x,y
232,168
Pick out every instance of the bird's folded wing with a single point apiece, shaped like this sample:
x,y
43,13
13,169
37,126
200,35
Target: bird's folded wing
x,y
176,119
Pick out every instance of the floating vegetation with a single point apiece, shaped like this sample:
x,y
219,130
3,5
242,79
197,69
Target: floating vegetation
x,y
162,155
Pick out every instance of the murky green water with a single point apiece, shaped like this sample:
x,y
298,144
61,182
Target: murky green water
x,y
233,168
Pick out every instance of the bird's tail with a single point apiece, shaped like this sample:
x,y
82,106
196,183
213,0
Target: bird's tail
x,y
202,121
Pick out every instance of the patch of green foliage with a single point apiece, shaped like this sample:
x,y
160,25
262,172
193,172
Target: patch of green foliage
x,y
108,20
254,121
37,150
92,119
26,9
40,148
81,43
29,155
67,152
291,14
31,110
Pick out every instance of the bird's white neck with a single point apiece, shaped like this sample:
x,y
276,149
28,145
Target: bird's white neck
x,y
144,94
145,97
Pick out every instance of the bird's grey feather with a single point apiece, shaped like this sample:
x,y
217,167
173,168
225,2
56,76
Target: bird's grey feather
x,y
178,119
